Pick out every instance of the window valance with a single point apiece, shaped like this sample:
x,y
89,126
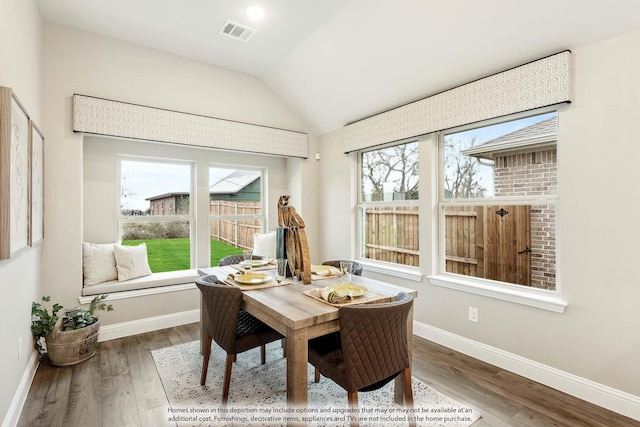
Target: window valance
x,y
120,119
533,85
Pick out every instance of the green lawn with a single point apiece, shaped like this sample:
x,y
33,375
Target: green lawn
x,y
173,254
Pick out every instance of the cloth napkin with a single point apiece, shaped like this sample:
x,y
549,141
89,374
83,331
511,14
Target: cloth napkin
x,y
333,297
329,271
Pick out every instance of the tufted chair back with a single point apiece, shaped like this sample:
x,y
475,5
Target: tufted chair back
x,y
233,329
370,349
235,259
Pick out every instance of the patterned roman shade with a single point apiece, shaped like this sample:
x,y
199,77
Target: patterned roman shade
x,y
537,84
120,119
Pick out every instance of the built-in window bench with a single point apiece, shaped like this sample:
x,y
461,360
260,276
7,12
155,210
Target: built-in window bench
x,y
155,280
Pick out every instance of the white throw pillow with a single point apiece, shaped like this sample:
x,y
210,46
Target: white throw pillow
x,y
265,244
131,261
98,263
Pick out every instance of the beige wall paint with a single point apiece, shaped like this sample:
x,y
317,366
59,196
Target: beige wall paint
x,y
20,279
597,337
85,63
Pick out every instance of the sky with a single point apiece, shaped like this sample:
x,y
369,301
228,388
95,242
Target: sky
x,y
487,133
147,179
142,179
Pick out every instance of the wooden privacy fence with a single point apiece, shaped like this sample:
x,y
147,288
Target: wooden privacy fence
x,y
235,232
392,234
492,242
508,243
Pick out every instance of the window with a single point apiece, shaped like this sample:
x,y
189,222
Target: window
x,y
497,202
388,204
236,211
155,209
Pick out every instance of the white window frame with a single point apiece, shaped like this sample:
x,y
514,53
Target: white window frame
x,y
398,270
163,218
540,298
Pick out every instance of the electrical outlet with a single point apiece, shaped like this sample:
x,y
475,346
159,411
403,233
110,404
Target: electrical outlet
x,y
473,314
20,348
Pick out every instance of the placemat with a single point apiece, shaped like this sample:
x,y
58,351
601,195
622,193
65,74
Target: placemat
x,y
368,297
315,277
244,287
255,268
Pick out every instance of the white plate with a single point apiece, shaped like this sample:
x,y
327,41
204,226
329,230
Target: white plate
x,y
252,278
257,262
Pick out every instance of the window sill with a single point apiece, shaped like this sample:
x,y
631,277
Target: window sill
x,y
404,272
532,297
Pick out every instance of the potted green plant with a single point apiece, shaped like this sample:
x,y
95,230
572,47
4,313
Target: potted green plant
x,y
70,338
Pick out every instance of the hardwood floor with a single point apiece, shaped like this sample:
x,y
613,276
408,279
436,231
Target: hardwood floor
x,y
121,387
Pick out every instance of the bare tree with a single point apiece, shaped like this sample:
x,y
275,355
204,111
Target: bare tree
x,y
397,165
125,193
461,171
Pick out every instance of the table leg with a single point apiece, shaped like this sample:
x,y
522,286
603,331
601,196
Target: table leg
x,y
297,381
399,381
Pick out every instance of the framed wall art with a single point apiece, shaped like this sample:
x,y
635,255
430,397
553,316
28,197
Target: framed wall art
x,y
36,217
14,174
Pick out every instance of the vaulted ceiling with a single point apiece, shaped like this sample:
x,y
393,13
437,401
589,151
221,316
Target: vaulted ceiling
x,y
337,61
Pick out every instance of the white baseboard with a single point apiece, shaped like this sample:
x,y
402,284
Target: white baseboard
x,y
607,397
125,329
15,409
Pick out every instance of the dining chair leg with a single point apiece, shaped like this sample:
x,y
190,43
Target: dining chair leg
x,y
283,344
227,379
263,354
408,396
206,352
352,398
316,375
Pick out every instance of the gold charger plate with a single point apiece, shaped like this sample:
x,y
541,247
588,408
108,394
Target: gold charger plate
x,y
252,278
351,290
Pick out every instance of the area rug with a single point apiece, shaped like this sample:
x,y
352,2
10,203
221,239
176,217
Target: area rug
x,y
257,395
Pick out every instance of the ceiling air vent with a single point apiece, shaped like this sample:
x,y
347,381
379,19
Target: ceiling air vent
x,y
237,31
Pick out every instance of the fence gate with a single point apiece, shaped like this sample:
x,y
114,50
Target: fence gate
x,y
492,242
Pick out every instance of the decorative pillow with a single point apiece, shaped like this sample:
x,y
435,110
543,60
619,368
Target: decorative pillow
x,y
131,261
98,263
265,244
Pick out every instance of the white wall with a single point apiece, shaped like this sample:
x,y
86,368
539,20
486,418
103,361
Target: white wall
x,y
80,62
597,337
20,69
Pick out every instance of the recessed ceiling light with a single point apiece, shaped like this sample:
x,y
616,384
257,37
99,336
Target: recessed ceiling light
x,y
255,12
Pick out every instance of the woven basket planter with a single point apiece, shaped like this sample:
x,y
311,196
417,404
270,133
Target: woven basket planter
x,y
66,348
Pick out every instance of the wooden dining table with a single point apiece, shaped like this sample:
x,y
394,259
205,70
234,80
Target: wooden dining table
x,y
300,318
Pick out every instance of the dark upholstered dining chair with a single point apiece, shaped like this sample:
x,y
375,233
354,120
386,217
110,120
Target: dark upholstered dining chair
x,y
370,350
356,267
235,259
232,328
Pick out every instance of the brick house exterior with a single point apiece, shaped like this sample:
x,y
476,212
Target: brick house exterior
x,y
169,204
525,164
